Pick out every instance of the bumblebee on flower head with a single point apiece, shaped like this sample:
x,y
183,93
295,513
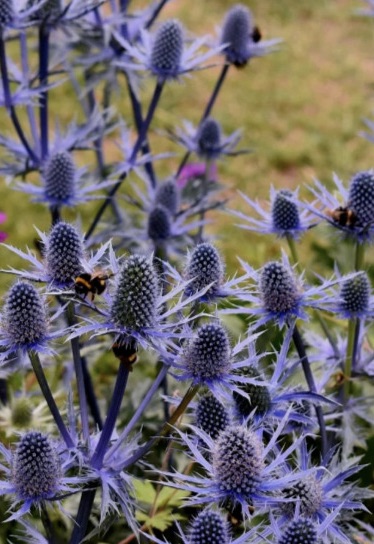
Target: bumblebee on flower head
x,y
91,284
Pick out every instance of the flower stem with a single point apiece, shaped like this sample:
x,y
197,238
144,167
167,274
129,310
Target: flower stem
x,y
43,80
83,516
40,376
352,325
70,316
359,258
47,524
204,192
138,144
300,348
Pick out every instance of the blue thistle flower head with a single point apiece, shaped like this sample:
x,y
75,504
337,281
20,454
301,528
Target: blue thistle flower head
x,y
237,31
237,463
207,357
211,416
64,254
299,531
159,224
209,527
6,12
36,468
135,300
355,296
25,321
204,267
285,214
168,195
308,493
59,175
361,197
209,138
257,396
278,288
167,49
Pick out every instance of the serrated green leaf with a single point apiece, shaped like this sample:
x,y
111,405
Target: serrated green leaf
x,y
172,497
160,520
144,491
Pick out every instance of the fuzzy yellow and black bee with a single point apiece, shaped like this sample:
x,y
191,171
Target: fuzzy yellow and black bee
x,y
343,216
87,284
256,34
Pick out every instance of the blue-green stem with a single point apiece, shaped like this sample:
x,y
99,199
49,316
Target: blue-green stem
x,y
352,324
316,313
300,348
44,35
40,376
204,193
78,367
359,257
137,146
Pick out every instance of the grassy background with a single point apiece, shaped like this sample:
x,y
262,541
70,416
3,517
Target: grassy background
x,y
301,110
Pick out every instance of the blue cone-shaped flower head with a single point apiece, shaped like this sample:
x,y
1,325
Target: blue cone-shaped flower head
x,y
59,175
50,10
278,288
237,462
307,493
208,355
167,49
204,267
258,396
300,531
209,139
208,527
134,302
237,30
6,12
159,224
25,317
167,195
361,197
36,468
64,253
355,296
211,416
285,214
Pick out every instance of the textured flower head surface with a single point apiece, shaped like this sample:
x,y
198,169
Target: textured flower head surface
x,y
282,218
279,295
211,416
165,54
34,472
24,323
205,268
241,39
208,140
352,211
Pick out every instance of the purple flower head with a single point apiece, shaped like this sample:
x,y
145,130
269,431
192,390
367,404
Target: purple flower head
x,y
307,494
211,416
208,527
6,12
209,139
299,531
278,288
283,218
59,175
167,49
241,39
355,296
361,197
257,396
205,268
167,195
64,254
159,226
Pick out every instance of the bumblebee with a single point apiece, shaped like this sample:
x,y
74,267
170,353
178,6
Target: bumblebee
x,y
343,216
91,284
256,34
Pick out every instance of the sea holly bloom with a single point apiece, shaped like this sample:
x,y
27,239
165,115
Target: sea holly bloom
x,y
352,212
3,235
211,416
240,39
283,218
164,53
207,140
35,473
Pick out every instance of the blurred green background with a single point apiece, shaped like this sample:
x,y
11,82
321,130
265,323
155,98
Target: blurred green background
x,y
301,109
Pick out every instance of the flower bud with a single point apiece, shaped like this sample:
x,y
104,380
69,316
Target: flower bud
x,y
285,215
167,195
204,267
361,197
59,178
355,295
278,288
209,138
167,50
64,253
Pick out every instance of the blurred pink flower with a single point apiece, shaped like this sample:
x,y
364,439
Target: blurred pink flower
x,y
3,235
194,171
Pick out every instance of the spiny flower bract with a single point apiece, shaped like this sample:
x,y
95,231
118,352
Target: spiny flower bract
x,y
237,462
361,197
134,302
24,317
211,416
64,253
204,267
355,296
59,175
167,50
167,195
208,527
36,468
300,531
